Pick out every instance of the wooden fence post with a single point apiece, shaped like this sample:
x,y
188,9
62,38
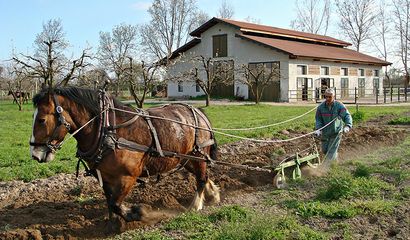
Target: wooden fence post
x,y
384,94
377,96
355,95
391,94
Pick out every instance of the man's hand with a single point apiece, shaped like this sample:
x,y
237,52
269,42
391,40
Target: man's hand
x,y
346,129
318,133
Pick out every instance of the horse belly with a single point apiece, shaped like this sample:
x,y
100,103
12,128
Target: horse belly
x,y
156,165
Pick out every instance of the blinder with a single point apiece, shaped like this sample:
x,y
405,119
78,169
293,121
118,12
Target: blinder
x,y
60,121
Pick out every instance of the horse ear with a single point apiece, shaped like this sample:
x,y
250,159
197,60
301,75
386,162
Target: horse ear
x,y
44,87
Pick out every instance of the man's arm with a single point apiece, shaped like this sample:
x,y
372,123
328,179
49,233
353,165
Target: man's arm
x,y
319,119
345,116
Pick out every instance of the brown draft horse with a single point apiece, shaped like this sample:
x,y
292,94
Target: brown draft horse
x,y
25,96
64,110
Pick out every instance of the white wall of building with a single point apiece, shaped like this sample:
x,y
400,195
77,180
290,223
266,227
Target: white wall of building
x,y
353,79
243,52
239,50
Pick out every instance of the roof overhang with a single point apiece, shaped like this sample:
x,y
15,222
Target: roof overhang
x,y
245,30
292,55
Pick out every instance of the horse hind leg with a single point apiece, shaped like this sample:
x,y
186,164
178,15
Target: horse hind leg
x,y
212,193
198,202
206,188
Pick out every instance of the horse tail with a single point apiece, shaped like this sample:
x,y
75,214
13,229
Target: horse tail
x,y
213,152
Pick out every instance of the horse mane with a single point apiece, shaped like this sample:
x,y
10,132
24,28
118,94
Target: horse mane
x,y
87,98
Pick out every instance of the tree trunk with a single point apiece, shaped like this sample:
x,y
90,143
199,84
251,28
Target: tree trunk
x,y
257,98
208,100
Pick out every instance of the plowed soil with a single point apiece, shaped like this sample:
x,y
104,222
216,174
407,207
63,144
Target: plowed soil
x,y
63,207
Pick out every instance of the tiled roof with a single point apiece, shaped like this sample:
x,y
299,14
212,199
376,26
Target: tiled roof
x,y
315,51
246,27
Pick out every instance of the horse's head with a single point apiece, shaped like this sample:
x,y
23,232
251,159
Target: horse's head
x,y
49,126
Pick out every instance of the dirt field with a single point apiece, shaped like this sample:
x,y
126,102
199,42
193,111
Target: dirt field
x,y
62,207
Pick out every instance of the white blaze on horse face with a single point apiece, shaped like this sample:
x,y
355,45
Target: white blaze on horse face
x,y
32,132
40,153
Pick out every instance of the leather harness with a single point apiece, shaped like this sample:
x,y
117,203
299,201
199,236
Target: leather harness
x,y
108,141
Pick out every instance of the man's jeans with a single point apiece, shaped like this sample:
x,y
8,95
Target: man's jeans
x,y
330,145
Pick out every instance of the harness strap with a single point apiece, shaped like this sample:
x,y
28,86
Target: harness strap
x,y
154,134
124,124
196,126
122,143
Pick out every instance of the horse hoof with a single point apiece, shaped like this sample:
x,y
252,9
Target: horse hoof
x,y
135,214
112,226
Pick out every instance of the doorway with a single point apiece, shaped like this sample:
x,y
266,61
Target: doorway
x,y
344,88
304,85
362,87
323,84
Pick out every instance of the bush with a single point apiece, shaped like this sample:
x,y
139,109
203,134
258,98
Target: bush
x,y
358,116
344,186
400,121
362,171
230,214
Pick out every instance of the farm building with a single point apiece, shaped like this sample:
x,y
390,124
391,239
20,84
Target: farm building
x,y
308,63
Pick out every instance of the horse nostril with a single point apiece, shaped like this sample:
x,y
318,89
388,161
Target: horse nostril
x,y
36,158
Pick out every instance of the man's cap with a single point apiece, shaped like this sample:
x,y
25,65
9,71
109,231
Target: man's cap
x,y
330,91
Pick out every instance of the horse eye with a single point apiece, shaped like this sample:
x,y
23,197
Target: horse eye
x,y
41,120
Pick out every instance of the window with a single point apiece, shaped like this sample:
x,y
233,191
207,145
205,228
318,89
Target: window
x,y
344,83
376,73
324,70
222,70
220,46
344,71
265,71
197,88
302,70
361,72
180,87
376,83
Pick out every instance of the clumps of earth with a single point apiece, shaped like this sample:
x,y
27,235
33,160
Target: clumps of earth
x,y
64,207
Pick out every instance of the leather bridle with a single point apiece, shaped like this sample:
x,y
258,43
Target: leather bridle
x,y
61,121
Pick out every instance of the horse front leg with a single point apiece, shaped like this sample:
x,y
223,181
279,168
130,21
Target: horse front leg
x,y
115,193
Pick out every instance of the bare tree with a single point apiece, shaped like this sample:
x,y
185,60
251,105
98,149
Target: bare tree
x,y
169,28
226,10
114,50
49,62
356,20
382,35
401,14
252,20
93,78
17,82
142,78
313,16
258,76
208,72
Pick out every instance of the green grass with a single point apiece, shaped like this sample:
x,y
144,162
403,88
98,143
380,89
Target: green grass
x,y
370,185
230,222
16,163
400,121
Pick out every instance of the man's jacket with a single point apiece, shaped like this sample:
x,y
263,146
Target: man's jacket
x,y
324,115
